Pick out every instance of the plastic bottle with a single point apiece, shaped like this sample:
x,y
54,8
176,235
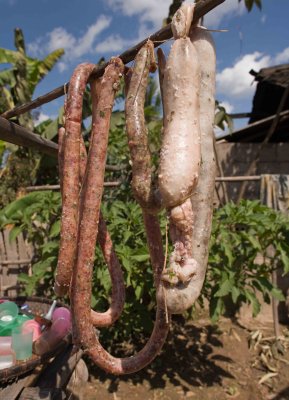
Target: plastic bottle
x,y
32,325
52,336
61,312
5,343
7,358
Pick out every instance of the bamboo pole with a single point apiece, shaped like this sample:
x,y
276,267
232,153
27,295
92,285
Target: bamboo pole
x,y
57,187
238,178
221,172
159,37
16,134
118,183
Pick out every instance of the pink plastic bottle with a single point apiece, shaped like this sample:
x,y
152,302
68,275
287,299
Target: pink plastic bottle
x,y
61,325
32,325
7,357
5,343
61,312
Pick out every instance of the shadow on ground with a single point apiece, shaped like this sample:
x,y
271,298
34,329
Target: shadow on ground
x,y
283,395
186,360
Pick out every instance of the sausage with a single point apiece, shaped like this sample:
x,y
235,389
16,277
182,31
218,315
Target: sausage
x,y
182,295
128,365
180,152
71,178
80,289
142,183
118,289
90,200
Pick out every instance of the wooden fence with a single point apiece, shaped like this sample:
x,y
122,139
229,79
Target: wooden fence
x,y
15,257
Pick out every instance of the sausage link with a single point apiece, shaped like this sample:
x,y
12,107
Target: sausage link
x,y
71,178
118,289
128,365
90,200
182,296
180,152
142,182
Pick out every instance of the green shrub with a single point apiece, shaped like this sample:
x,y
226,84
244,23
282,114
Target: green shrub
x,y
239,234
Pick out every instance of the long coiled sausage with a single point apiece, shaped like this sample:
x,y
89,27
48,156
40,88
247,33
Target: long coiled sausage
x,y
118,290
84,331
90,200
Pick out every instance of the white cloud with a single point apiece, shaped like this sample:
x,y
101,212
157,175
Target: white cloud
x,y
228,106
236,81
113,43
154,11
151,14
41,117
226,10
60,38
75,47
151,11
282,57
62,66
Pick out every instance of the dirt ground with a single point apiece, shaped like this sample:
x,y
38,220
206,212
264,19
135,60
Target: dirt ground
x,y
205,362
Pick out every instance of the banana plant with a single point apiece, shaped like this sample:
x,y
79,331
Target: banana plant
x,y
19,80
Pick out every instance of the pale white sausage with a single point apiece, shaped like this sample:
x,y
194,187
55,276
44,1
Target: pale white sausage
x,y
180,152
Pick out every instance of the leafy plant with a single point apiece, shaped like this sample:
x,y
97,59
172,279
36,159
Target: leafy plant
x,y
222,118
18,81
241,233
250,3
36,215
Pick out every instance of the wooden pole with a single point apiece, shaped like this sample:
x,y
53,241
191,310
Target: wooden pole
x,y
57,187
238,178
159,37
16,134
221,172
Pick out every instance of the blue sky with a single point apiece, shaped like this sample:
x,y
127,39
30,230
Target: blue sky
x,y
90,29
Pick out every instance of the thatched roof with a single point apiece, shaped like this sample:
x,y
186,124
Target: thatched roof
x,y
272,83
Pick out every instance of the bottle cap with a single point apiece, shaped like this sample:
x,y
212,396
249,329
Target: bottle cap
x,y
8,313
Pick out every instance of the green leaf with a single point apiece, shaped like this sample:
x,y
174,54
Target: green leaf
x,y
55,229
140,257
220,115
277,293
284,256
254,241
216,308
249,4
9,56
254,302
138,292
14,233
225,288
235,294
